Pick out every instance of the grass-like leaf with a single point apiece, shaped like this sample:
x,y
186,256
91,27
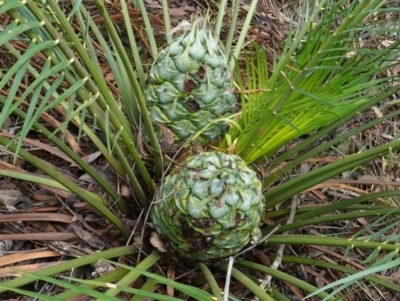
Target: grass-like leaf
x,y
30,293
290,279
338,267
345,282
70,264
194,292
326,79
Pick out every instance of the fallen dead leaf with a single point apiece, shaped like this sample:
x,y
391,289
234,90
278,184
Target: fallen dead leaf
x,y
157,243
261,257
10,199
304,167
125,191
89,158
45,198
167,137
62,193
176,12
320,279
171,275
295,290
101,268
363,221
377,112
138,241
184,25
396,277
89,238
5,245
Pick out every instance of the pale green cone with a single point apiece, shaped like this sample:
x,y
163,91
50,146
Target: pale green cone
x,y
209,207
190,86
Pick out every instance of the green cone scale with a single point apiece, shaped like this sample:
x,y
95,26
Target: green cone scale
x,y
190,87
209,207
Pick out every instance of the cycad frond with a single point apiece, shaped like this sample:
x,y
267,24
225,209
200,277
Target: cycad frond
x,y
322,77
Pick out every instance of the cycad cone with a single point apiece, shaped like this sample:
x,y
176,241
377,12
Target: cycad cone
x,y
209,207
190,87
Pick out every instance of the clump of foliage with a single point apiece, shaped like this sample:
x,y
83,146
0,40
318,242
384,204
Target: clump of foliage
x,y
324,77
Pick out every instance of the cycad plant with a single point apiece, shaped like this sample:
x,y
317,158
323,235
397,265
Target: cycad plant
x,y
199,159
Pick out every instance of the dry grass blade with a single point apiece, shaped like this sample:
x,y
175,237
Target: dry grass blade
x,y
19,257
6,272
50,149
40,236
54,217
